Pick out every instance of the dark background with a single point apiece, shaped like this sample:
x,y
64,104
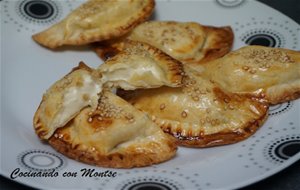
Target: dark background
x,y
291,8
289,178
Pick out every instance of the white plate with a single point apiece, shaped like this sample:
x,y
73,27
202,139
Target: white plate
x,y
27,70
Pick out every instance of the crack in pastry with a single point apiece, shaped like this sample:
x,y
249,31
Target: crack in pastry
x,y
65,98
141,66
188,42
96,20
82,119
200,114
271,73
115,135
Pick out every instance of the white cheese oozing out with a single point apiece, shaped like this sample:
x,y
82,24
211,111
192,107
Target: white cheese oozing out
x,y
140,74
75,99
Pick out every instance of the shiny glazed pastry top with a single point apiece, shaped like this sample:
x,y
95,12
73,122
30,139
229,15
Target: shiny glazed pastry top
x,y
96,20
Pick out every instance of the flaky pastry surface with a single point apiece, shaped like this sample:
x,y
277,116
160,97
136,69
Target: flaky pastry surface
x,y
96,20
188,42
200,114
272,73
114,135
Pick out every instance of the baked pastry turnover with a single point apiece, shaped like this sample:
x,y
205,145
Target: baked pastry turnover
x,y
200,114
188,42
141,66
81,118
96,20
271,73
114,135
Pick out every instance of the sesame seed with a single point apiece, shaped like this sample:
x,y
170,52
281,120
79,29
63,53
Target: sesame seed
x,y
183,114
226,100
202,92
162,106
213,122
252,71
129,116
245,68
269,56
60,136
196,98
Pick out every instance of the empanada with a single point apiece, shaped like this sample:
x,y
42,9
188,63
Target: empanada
x,y
81,118
115,135
65,98
141,66
188,42
272,73
200,114
96,20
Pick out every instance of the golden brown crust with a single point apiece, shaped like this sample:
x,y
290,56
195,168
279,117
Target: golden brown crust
x,y
221,138
220,42
283,93
285,97
115,135
111,134
227,135
198,43
115,160
76,29
272,73
108,49
139,66
200,114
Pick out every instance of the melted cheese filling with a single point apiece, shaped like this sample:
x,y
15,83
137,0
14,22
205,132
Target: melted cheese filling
x,y
140,74
75,99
